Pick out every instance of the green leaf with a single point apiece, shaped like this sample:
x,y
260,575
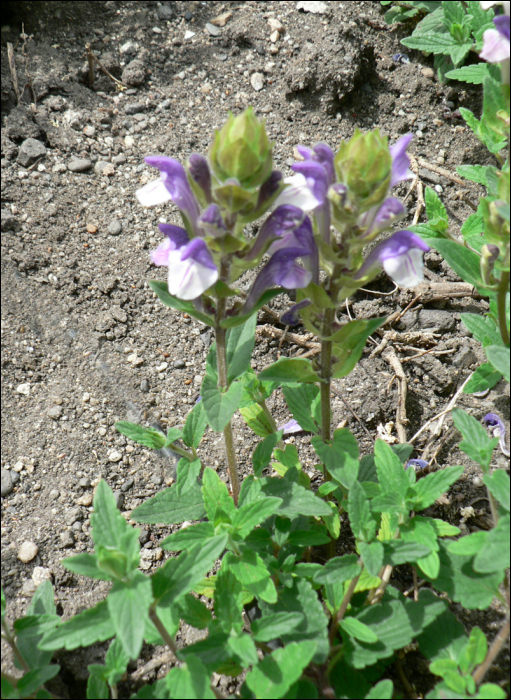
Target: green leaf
x,y
349,342
116,662
302,401
256,419
188,537
462,583
307,538
499,358
362,523
275,674
243,649
495,555
498,485
474,74
172,435
190,680
108,525
435,208
179,575
475,651
86,565
240,344
476,443
169,617
237,320
187,474
297,500
228,600
474,173
262,454
43,603
434,43
463,261
391,474
252,573
128,605
143,436
195,426
401,552
432,486
302,598
29,630
372,556
395,623
169,506
381,691
161,291
194,612
251,515
341,457
289,371
482,328
484,377
444,638
355,628
274,625
220,405
338,569
33,680
216,496
84,629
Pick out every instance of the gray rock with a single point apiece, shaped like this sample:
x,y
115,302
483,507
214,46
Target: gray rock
x,y
28,589
465,357
119,159
30,151
67,538
434,318
144,536
144,386
179,364
134,108
128,48
27,551
212,30
164,12
79,165
119,499
9,221
128,484
119,314
114,227
7,484
54,412
114,456
157,479
84,483
101,166
134,73
73,515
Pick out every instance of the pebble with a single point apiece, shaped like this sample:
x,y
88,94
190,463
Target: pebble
x,y
27,551
67,539
54,494
129,141
188,16
18,467
164,12
189,34
128,484
134,73
28,589
114,456
119,160
317,8
79,165
89,131
54,412
222,19
104,168
135,360
144,536
7,483
257,81
40,574
30,151
119,499
275,25
157,479
179,364
73,514
212,30
477,481
23,389
85,500
144,386
114,227
419,134
134,108
428,72
156,30
274,37
162,367
465,357
439,189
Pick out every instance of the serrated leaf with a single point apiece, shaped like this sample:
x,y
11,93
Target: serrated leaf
x,y
301,401
273,626
349,342
432,486
34,679
195,426
216,495
84,629
391,474
169,506
434,43
220,405
169,617
307,538
253,574
243,649
444,638
498,484
338,569
434,206
474,74
474,652
256,419
29,630
381,691
188,537
116,662
495,554
372,556
240,344
161,291
187,474
358,630
476,443
302,598
228,600
251,515
194,612
296,499
340,457
262,454
274,675
128,605
148,437
463,261
108,525
362,523
484,377
190,680
499,358
401,552
482,328
288,371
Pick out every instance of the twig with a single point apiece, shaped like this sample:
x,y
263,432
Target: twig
x,y
441,171
433,351
401,419
12,68
165,658
90,58
337,393
496,646
303,341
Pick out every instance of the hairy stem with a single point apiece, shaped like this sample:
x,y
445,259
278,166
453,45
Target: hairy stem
x,y
496,646
501,307
153,615
344,606
9,638
326,374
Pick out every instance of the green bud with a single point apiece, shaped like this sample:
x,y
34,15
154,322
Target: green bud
x,y
364,165
241,150
489,256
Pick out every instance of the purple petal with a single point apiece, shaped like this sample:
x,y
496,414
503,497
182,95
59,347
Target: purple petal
x,y
160,256
416,464
495,46
269,187
298,193
285,218
282,269
324,155
501,23
291,317
390,211
316,177
400,160
401,256
174,178
499,430
198,251
211,221
176,234
291,427
199,171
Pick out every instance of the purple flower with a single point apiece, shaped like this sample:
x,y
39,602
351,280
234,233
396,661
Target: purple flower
x,y
379,218
301,237
499,430
291,427
211,221
191,267
199,172
400,160
496,41
173,185
416,464
291,317
401,256
285,218
269,188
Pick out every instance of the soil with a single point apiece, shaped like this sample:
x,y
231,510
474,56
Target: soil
x,y
84,340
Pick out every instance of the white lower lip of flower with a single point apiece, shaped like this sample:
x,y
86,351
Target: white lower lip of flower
x,y
298,193
188,279
406,270
153,193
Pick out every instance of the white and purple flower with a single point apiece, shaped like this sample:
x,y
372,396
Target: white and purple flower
x,y
401,256
493,421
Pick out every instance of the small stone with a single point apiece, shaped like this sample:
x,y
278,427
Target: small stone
x,y
464,358
162,367
128,484
104,168
27,551
7,483
260,49
274,37
179,364
54,412
119,160
275,25
317,8
439,189
28,589
85,500
189,35
54,494
129,141
73,514
67,538
134,74
164,12
188,16
135,360
134,108
114,456
222,19
40,574
30,151
84,483
119,314
79,165
18,466
89,131
257,81
428,72
144,536
23,389
114,227
212,30
157,479
91,228
156,30
477,481
419,134
119,499
144,386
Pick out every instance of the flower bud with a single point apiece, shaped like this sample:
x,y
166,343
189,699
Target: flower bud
x,y
241,150
489,256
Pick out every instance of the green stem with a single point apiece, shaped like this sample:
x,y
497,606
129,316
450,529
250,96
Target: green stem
x,y
9,638
153,615
326,374
344,606
501,306
271,421
183,453
221,358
